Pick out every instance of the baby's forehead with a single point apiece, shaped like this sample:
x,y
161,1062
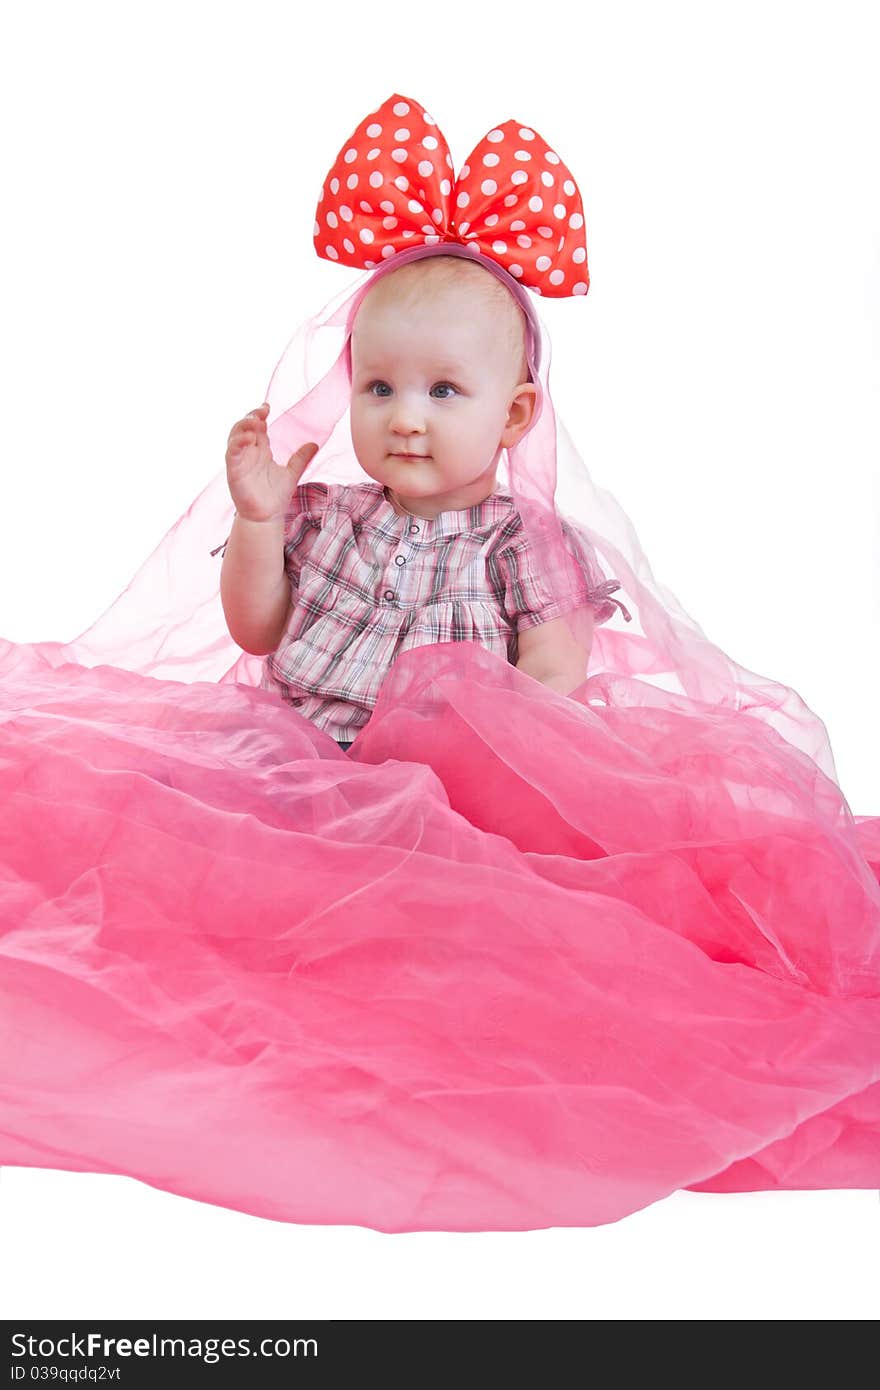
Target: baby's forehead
x,y
455,330
461,324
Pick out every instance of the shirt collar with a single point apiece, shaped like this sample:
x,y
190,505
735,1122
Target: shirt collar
x,y
481,515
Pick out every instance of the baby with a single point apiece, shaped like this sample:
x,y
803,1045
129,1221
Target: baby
x,y
332,582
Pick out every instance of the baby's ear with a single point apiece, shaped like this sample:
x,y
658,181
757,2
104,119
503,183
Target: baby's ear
x,y
520,413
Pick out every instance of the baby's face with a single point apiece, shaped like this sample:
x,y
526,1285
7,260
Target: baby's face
x,y
434,385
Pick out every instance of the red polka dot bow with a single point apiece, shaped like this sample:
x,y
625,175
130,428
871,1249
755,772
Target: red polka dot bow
x,y
391,187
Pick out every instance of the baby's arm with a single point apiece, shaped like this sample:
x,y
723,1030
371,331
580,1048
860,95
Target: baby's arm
x,y
550,654
254,581
254,587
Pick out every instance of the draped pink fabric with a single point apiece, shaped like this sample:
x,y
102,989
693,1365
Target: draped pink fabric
x,y
458,979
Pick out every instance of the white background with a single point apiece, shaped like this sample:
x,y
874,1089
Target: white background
x,y
721,379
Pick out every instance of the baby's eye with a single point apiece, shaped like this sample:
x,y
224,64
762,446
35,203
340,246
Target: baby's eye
x,y
438,383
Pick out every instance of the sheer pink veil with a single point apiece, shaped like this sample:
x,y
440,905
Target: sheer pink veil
x,y
168,622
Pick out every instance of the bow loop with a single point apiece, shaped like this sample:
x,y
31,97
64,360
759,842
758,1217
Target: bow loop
x,y
517,199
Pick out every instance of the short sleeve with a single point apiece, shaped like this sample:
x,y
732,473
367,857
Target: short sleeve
x,y
526,598
598,588
302,525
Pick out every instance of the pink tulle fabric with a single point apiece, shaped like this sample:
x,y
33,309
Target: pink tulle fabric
x,y
516,960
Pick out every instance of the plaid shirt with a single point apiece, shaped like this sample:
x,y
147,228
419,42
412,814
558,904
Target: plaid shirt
x,y
371,583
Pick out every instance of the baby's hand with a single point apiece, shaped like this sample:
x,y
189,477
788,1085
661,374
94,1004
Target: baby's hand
x,y
260,489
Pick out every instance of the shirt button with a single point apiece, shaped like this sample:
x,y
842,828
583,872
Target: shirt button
x,y
414,530
399,560
389,593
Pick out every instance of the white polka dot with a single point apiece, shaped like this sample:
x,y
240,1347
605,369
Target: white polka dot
x,y
334,185
552,158
413,205
352,181
374,130
437,215
349,245
401,108
332,219
578,255
495,136
464,171
369,264
515,269
493,219
462,200
373,153
526,134
346,212
376,179
409,234
429,120
448,158
350,156
401,135
488,186
389,251
543,263
331,252
401,182
426,168
575,220
389,222
524,241
398,156
519,176
511,200
499,247
431,142
561,242
316,230
445,187
556,277
579,288
431,239
559,209
547,232
518,225
490,160
521,154
366,235
537,289
471,246
547,179
536,203
568,188
365,206
463,227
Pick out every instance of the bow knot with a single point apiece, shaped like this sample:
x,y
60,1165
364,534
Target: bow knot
x,y
391,187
